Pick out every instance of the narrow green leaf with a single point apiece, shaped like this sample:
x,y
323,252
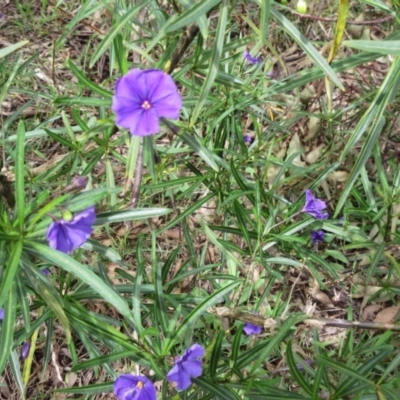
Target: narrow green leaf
x,y
264,20
310,50
391,47
340,27
202,308
218,390
91,389
20,174
116,28
275,341
10,271
11,48
87,82
189,211
160,308
214,61
7,329
110,217
83,101
82,272
216,352
294,370
191,15
16,371
206,155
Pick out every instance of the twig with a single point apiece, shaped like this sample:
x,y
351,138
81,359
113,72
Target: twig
x,y
270,323
372,22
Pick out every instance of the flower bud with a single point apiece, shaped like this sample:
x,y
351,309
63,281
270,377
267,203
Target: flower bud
x,y
302,6
25,350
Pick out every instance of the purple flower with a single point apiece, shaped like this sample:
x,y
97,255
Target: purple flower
x,y
46,272
314,206
187,366
250,59
142,98
250,329
317,236
247,139
1,313
131,387
25,350
67,235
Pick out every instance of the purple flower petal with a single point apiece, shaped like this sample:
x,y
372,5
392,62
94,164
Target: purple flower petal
x,y
250,329
1,313
142,98
25,350
251,60
67,236
187,366
317,236
131,387
314,206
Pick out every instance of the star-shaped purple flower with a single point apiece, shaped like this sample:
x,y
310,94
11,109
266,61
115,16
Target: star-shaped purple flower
x,y
317,236
251,60
65,236
250,329
131,387
315,206
187,366
142,98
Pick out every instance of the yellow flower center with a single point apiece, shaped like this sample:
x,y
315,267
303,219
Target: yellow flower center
x,y
140,385
146,105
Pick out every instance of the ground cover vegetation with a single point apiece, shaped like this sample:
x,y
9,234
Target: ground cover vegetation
x,y
199,199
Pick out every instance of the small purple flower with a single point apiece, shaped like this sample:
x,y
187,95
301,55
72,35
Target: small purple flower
x,y
67,235
317,236
247,139
250,329
142,98
46,272
1,313
314,206
187,366
25,350
131,387
250,59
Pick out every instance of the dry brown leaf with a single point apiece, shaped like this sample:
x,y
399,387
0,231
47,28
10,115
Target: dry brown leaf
x,y
370,311
388,315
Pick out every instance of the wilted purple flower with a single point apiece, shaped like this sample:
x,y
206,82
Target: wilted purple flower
x,y
67,235
250,329
187,366
142,98
250,59
1,313
25,350
131,387
314,206
46,272
317,236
